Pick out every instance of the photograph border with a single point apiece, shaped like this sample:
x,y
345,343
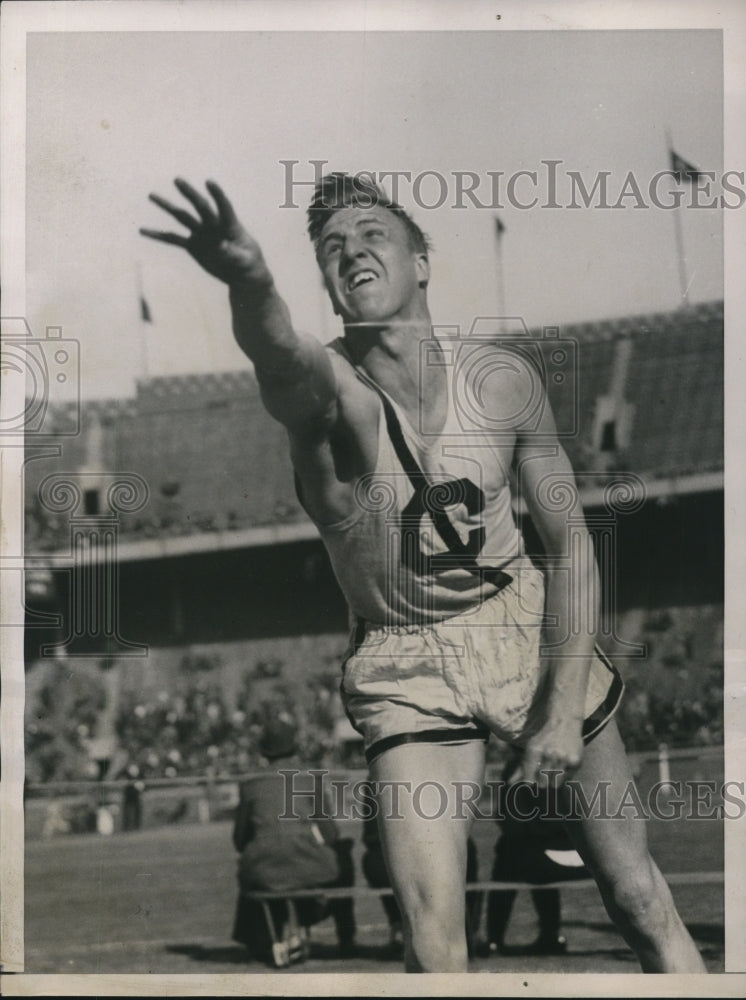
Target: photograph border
x,y
19,19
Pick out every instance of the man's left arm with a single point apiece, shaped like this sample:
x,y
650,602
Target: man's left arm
x,y
547,484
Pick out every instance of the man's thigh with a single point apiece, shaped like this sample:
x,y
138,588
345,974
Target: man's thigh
x,y
608,826
423,798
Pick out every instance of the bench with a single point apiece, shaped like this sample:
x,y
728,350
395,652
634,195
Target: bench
x,y
293,944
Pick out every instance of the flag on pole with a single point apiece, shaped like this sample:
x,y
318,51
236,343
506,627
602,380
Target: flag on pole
x,y
145,314
683,170
499,226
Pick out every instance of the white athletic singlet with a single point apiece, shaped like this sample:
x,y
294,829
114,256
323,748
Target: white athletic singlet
x,y
388,556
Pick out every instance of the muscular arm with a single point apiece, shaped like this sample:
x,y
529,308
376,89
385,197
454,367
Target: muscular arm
x,y
296,377
547,484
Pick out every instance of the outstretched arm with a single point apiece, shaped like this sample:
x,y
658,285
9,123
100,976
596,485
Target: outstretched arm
x,y
294,371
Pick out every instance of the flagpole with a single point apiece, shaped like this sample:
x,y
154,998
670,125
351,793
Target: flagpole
x,y
144,361
499,230
678,237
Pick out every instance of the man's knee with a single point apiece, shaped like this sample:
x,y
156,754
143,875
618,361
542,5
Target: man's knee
x,y
436,916
436,940
641,894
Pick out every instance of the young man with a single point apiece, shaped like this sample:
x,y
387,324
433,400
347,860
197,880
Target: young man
x,y
412,500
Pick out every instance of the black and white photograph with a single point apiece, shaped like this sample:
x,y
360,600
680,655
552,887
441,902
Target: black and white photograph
x,y
372,462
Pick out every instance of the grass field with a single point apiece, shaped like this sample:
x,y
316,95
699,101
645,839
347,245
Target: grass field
x,y
161,901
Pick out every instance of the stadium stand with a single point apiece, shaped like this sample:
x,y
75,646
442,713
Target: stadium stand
x,y
215,461
672,379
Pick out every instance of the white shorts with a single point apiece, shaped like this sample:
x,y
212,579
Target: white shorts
x,y
464,677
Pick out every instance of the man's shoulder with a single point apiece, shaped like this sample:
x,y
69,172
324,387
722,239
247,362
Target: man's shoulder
x,y
518,354
355,395
503,375
341,362
338,352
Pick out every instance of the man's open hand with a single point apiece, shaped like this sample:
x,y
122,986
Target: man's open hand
x,y
216,240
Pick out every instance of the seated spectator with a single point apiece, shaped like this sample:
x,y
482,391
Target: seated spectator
x,y
278,854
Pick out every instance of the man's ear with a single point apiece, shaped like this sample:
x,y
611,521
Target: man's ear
x,y
422,264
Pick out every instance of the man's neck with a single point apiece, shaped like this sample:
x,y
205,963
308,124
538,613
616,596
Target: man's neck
x,y
394,358
389,353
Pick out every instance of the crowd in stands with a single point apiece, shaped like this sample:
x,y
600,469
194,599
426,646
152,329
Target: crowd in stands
x,y
59,725
189,732
46,531
676,695
194,728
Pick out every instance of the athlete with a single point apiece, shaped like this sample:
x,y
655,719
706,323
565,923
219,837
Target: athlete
x,y
456,633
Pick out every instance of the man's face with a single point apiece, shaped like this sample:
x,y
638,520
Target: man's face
x,y
370,269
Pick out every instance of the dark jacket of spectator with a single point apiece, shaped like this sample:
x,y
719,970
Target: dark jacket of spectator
x,y
283,847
